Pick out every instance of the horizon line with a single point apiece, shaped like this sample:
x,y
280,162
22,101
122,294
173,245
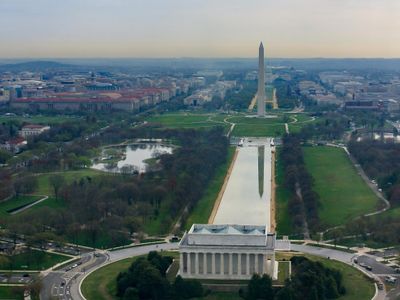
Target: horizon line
x,y
194,57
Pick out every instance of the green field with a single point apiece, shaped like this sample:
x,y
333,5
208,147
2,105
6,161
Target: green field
x,y
245,126
32,260
186,120
204,206
44,187
16,202
343,193
10,293
270,130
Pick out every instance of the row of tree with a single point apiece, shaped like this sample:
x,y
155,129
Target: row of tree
x,y
310,280
380,161
303,205
146,279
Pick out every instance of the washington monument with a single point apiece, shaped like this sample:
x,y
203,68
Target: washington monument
x,y
261,83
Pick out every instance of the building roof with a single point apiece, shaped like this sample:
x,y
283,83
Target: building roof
x,y
34,126
228,229
212,235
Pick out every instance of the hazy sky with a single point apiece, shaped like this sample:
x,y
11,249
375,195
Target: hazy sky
x,y
199,28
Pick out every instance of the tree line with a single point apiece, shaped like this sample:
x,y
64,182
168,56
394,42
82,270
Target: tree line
x,y
310,280
146,279
114,207
303,205
380,161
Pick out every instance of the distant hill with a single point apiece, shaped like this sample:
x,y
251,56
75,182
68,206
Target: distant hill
x,y
35,66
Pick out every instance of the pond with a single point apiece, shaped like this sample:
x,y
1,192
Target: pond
x,y
133,158
246,198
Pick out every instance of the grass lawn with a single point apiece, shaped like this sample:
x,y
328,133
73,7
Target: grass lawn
x,y
204,206
255,121
263,130
44,187
102,283
283,272
357,285
343,193
10,293
189,120
16,202
32,260
357,242
283,195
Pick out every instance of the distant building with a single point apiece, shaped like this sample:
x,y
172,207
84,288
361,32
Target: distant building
x,y
32,130
14,145
361,105
227,252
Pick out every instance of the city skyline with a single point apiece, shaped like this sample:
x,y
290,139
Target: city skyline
x,y
176,28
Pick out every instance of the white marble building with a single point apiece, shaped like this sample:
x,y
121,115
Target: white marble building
x,y
227,252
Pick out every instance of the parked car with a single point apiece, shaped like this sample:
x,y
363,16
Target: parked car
x,y
390,279
363,265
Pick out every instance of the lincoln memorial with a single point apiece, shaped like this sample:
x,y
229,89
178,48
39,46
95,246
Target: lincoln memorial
x,y
227,252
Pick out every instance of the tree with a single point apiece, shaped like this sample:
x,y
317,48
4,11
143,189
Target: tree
x,y
260,288
56,181
25,184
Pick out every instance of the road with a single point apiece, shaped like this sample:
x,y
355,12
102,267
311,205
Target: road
x,y
72,279
65,285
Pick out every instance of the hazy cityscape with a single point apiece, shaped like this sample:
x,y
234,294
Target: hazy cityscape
x,y
183,150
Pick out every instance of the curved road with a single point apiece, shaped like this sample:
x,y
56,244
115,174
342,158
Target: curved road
x,y
53,287
65,285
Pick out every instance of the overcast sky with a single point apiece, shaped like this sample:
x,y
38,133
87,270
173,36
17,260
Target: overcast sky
x,y
199,28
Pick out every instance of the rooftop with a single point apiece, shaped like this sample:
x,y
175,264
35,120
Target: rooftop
x,y
228,229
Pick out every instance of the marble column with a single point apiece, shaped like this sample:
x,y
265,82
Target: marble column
x,y
222,264
239,264
230,271
181,263
188,263
205,263
256,264
213,263
247,264
196,263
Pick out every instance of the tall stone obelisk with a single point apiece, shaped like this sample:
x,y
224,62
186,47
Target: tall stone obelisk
x,y
261,83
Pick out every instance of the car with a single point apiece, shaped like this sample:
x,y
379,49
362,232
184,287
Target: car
x,y
26,275
79,263
355,260
369,268
62,283
380,286
363,265
397,270
96,254
390,279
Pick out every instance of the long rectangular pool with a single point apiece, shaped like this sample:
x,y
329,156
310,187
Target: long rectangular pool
x,y
247,197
